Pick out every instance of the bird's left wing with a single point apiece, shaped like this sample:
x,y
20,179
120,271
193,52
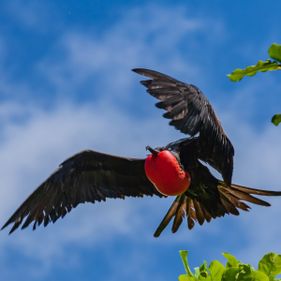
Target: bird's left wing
x,y
191,113
88,176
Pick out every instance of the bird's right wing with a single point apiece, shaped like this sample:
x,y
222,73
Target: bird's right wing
x,y
191,113
88,176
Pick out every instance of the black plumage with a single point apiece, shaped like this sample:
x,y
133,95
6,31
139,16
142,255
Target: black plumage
x,y
91,176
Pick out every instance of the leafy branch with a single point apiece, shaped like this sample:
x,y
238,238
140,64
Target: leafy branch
x,y
234,270
274,63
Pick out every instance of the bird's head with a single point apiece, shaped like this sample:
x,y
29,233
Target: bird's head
x,y
153,151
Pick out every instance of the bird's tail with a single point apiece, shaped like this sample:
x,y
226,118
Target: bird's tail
x,y
200,208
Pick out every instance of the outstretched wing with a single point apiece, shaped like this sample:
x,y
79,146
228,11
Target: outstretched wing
x,y
208,199
191,113
88,176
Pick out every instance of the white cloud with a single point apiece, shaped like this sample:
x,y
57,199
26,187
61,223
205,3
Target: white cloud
x,y
148,37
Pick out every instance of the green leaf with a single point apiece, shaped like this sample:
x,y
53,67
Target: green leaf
x,y
269,268
184,255
274,51
216,270
243,273
231,260
252,70
248,273
202,273
271,265
258,276
184,277
203,269
276,119
230,274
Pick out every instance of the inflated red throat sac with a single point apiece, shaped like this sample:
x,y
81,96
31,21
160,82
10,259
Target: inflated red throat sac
x,y
166,173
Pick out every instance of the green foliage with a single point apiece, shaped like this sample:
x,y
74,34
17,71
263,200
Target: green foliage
x,y
261,66
271,265
276,119
274,52
234,270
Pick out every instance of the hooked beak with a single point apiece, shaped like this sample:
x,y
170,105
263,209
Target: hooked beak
x,y
154,152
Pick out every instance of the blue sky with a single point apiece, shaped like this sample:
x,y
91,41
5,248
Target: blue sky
x,y
66,85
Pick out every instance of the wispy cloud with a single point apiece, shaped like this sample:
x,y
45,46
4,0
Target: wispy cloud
x,y
143,37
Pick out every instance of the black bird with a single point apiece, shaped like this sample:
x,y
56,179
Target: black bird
x,y
91,176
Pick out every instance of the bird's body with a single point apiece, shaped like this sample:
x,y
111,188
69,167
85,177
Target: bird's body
x,y
176,169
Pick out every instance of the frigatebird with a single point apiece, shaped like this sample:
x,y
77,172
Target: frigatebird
x,y
179,169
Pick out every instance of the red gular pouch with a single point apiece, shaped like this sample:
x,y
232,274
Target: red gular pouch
x,y
165,172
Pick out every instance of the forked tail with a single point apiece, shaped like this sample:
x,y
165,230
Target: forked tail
x,y
212,203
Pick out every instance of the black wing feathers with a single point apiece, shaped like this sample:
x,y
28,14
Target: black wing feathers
x,y
191,113
88,176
